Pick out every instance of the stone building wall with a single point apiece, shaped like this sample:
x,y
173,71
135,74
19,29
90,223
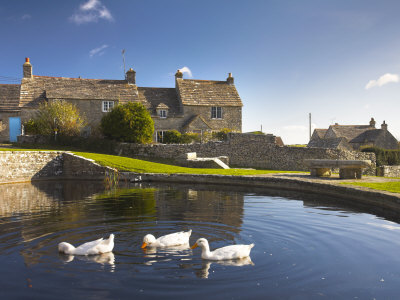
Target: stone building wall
x,y
231,116
4,125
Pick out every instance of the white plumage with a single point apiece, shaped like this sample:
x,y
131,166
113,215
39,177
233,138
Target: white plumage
x,y
224,253
90,248
172,239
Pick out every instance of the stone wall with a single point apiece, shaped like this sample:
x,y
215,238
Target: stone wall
x,y
18,166
388,171
249,151
27,165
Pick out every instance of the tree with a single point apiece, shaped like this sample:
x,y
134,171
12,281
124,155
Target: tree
x,y
130,122
56,116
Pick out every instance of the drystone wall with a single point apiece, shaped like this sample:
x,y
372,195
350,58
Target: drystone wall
x,y
249,151
27,165
388,171
17,166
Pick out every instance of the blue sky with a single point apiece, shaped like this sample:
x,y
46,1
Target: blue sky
x,y
339,60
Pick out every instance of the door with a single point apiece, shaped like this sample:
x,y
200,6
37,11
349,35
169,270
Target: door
x,y
15,128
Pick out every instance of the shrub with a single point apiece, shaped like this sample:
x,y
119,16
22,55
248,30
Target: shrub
x,y
60,116
172,137
383,156
130,122
31,127
221,135
190,137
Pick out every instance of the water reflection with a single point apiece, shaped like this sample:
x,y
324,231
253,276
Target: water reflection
x,y
105,258
206,265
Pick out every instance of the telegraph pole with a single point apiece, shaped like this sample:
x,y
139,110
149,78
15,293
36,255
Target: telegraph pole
x,y
123,59
309,116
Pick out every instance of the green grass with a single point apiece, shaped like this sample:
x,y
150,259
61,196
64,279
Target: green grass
x,y
141,166
391,186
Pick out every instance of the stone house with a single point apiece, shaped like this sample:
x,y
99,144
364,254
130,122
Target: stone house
x,y
191,106
353,137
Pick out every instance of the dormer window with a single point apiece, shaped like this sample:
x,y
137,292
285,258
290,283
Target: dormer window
x,y
216,112
162,111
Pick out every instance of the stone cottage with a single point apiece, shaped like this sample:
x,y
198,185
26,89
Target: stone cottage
x,y
191,106
353,137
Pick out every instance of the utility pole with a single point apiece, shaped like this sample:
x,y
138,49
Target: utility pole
x,y
123,59
310,124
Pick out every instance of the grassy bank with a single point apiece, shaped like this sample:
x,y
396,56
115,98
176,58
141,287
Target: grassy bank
x,y
141,166
390,186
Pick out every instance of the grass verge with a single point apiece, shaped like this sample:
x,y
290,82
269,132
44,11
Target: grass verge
x,y
391,186
141,166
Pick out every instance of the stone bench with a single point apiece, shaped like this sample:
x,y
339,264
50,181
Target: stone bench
x,y
348,169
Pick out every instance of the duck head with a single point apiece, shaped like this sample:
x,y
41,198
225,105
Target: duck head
x,y
148,240
201,242
66,248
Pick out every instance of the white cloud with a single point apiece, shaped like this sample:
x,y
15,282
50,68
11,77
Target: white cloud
x,y
384,79
187,71
26,17
98,51
91,11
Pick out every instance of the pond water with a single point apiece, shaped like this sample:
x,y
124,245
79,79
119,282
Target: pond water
x,y
306,246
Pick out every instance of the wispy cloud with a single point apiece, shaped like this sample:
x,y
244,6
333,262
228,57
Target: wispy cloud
x,y
384,79
91,11
26,17
186,70
98,51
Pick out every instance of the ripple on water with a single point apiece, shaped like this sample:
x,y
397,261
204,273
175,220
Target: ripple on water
x,y
302,248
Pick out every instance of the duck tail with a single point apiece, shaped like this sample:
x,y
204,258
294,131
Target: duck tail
x,y
111,238
189,232
251,246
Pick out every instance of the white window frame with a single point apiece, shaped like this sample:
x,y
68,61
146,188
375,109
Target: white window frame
x,y
160,133
216,112
163,113
107,106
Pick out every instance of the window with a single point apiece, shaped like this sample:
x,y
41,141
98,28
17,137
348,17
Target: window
x,y
163,113
160,136
216,112
107,106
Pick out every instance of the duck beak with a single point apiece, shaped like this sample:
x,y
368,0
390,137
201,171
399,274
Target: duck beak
x,y
194,246
144,245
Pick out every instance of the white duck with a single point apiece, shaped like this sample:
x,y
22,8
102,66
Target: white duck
x,y
172,239
90,248
224,253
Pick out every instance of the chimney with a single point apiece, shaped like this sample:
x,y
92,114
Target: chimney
x,y
372,122
230,79
178,74
27,68
131,76
384,126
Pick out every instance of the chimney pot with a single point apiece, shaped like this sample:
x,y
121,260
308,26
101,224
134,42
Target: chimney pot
x,y
131,76
27,68
230,80
384,126
372,122
178,74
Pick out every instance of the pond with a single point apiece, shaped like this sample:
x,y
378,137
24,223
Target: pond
x,y
306,246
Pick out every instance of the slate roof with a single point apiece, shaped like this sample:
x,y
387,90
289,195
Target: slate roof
x,y
207,93
9,97
330,143
193,119
320,132
368,136
41,87
157,96
349,131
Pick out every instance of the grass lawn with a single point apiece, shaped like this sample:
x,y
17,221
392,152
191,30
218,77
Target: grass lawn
x,y
391,186
141,166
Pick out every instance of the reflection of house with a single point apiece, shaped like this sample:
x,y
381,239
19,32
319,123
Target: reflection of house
x,y
191,106
352,137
